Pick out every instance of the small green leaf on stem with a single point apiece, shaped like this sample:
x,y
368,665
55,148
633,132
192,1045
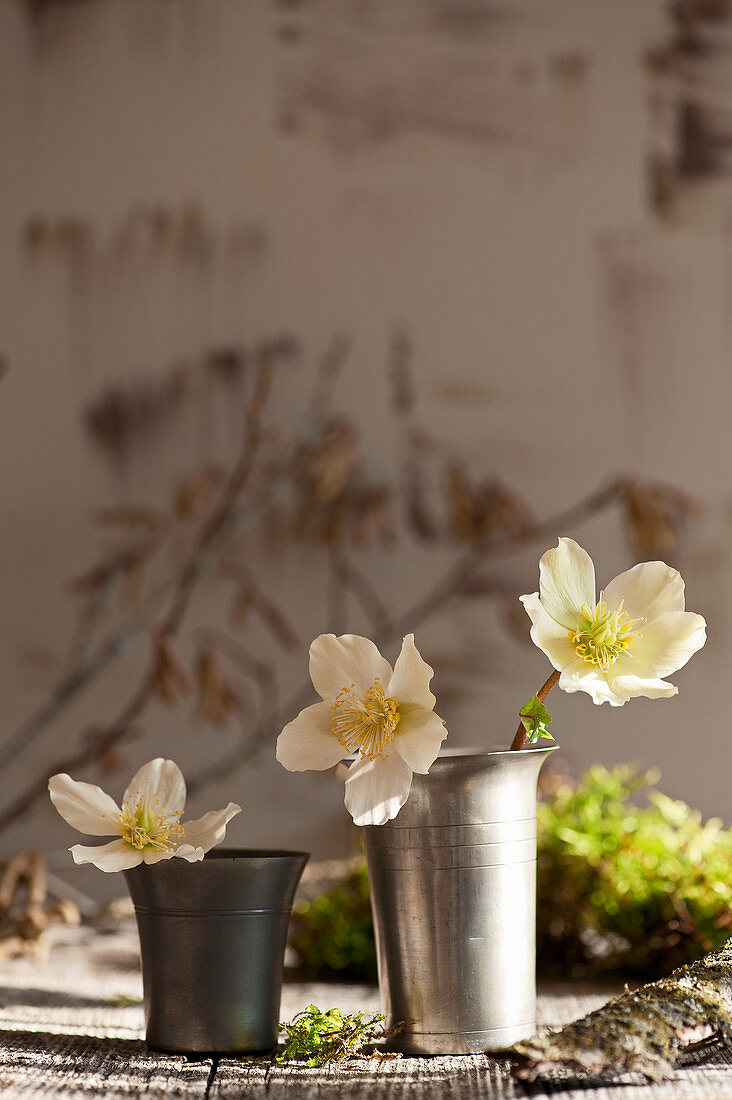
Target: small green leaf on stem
x,y
535,718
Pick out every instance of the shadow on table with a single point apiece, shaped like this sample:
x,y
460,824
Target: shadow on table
x,y
128,961
47,998
418,1078
75,1065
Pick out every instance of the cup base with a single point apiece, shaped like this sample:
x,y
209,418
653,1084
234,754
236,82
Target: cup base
x,y
429,1044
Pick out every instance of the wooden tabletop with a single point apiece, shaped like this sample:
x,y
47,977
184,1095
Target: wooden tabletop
x,y
72,1026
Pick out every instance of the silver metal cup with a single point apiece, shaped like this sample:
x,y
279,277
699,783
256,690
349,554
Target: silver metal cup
x,y
453,893
212,936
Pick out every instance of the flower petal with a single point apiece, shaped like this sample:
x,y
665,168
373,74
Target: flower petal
x,y
648,590
160,784
666,644
419,735
308,741
84,806
410,680
581,676
336,663
566,582
155,855
546,633
115,856
208,831
189,853
627,686
376,790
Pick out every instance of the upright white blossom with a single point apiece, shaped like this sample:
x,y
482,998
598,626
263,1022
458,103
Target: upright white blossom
x,y
618,646
386,717
148,825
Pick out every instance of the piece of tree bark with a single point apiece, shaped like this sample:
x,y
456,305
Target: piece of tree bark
x,y
647,1032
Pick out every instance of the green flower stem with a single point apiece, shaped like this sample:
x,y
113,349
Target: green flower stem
x,y
520,738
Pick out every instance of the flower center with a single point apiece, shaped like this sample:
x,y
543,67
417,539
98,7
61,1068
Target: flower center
x,y
143,827
365,720
605,635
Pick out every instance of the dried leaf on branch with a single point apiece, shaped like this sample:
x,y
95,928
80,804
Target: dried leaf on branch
x,y
126,412
655,516
219,700
122,563
227,364
646,1033
195,492
368,514
112,760
250,598
324,466
480,510
335,502
170,679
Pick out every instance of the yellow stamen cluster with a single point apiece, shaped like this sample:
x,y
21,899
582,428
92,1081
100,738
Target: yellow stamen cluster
x,y
144,826
365,720
605,635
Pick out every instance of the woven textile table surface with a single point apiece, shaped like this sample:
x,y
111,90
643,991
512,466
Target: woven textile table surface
x,y
72,1026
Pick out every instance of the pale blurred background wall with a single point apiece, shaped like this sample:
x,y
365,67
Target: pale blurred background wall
x,y
532,198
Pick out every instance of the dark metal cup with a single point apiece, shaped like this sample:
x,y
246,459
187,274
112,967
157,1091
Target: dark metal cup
x,y
212,936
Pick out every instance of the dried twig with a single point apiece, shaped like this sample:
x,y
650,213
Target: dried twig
x,y
25,911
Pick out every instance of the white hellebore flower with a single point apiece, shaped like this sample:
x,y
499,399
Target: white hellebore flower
x,y
148,825
622,645
385,716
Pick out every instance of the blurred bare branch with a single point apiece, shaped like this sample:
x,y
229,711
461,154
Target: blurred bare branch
x,y
219,700
311,484
215,529
480,511
170,678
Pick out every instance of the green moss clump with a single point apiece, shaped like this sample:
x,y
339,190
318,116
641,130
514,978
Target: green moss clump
x,y
334,935
319,1036
628,879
